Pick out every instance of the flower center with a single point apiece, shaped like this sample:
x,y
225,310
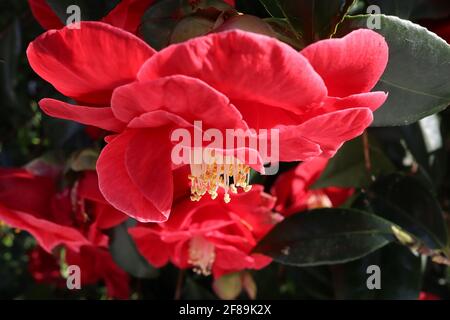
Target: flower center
x,y
227,173
201,255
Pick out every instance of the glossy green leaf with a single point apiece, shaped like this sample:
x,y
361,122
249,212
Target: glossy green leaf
x,y
400,271
325,236
408,202
416,77
413,9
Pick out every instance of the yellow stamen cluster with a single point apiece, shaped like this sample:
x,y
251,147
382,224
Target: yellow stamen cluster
x,y
208,178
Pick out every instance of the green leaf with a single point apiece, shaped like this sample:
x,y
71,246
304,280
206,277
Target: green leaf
x,y
348,169
325,236
90,9
126,255
416,77
414,9
408,202
401,276
312,19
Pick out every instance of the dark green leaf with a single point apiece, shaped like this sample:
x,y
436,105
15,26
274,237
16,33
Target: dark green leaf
x,y
348,168
408,202
414,9
325,236
401,276
126,255
416,77
312,19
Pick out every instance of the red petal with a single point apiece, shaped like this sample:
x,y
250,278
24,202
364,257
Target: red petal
x,y
48,234
105,215
371,100
150,246
117,186
331,130
86,64
275,74
127,14
188,98
97,264
23,191
148,160
350,65
100,117
45,15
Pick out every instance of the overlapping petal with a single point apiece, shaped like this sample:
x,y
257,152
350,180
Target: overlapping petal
x,y
101,117
88,63
349,65
243,66
118,188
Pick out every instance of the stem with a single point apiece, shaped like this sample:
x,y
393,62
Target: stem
x,y
179,287
366,146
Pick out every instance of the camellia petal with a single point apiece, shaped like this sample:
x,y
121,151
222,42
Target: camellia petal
x,y
45,15
243,66
47,233
117,186
350,65
331,130
127,14
147,160
101,117
86,64
183,96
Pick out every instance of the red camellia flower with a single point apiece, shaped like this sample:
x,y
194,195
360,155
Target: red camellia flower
x,y
73,218
316,99
294,194
210,236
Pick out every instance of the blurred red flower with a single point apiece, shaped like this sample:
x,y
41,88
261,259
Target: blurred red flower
x,y
210,236
428,296
73,218
44,268
294,194
317,99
